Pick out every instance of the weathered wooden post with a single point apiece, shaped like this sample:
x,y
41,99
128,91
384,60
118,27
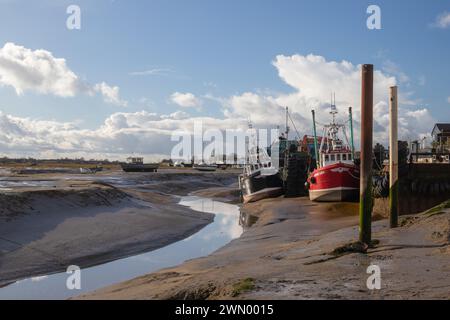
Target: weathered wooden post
x,y
393,158
365,192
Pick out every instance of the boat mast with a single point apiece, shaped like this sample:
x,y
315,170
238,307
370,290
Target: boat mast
x,y
350,115
333,108
316,150
287,124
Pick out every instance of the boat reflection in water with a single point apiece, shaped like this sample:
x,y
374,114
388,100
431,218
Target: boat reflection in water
x,y
246,220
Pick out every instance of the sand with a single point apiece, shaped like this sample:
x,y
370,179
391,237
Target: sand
x,y
290,253
47,228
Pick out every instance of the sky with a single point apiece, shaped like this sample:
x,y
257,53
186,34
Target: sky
x,y
137,71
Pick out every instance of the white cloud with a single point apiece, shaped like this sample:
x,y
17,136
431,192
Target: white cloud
x,y
153,72
185,99
394,69
120,135
448,99
40,72
178,115
442,20
312,78
110,94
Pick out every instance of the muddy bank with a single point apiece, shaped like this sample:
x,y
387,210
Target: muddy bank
x,y
45,230
228,194
177,182
290,253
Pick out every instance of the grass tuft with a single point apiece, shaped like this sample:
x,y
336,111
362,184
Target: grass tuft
x,y
242,286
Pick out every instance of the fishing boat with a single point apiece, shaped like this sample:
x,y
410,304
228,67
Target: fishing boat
x,y
202,166
136,164
336,177
260,178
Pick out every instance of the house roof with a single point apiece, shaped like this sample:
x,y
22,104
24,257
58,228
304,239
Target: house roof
x,y
440,127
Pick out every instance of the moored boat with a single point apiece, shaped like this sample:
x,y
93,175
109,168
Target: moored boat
x,y
336,177
202,166
260,178
136,164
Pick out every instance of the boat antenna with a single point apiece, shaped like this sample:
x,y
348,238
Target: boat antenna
x,y
316,150
333,111
287,124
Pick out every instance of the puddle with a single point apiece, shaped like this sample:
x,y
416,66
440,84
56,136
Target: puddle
x,y
217,234
16,184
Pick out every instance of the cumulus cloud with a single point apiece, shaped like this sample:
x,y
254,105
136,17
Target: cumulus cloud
x,y
443,20
40,72
185,100
120,135
312,79
110,94
177,115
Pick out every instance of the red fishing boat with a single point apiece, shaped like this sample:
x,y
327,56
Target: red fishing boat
x,y
337,176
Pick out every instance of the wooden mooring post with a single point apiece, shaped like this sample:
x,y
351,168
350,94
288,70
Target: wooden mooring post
x,y
393,158
365,192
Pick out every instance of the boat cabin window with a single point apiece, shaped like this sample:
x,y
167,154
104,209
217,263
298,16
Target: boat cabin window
x,y
344,157
338,157
332,157
350,156
327,158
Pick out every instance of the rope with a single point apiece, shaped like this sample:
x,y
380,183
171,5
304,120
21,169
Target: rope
x,y
298,134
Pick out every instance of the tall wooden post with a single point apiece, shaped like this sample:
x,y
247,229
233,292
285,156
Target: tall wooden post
x,y
365,193
393,158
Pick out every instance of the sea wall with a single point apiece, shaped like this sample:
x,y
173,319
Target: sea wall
x,y
421,187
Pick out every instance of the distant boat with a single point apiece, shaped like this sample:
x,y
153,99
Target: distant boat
x,y
91,170
337,176
136,164
205,167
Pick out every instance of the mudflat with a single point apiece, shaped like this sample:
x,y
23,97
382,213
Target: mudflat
x,y
297,249
85,221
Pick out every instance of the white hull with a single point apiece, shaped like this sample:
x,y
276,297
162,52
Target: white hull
x,y
334,194
263,194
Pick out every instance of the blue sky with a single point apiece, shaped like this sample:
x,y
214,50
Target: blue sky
x,y
219,49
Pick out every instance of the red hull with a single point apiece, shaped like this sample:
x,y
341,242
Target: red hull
x,y
335,182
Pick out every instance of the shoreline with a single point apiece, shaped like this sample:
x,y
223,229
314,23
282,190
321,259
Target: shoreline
x,y
300,250
88,223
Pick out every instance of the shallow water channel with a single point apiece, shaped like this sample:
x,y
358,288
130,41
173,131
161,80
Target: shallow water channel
x,y
224,228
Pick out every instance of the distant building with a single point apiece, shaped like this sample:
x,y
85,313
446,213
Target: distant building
x,y
441,134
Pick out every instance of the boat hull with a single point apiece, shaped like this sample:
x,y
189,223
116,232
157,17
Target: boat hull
x,y
336,182
205,168
140,167
257,187
334,195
